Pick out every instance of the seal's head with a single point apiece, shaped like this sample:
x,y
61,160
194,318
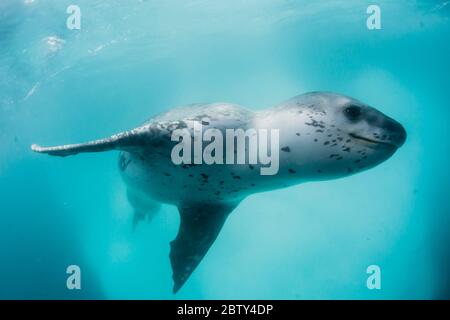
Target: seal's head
x,y
348,135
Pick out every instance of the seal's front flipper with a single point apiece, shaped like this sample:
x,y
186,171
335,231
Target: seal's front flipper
x,y
200,223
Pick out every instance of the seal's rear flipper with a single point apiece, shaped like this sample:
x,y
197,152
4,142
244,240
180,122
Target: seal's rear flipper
x,y
144,208
122,141
200,224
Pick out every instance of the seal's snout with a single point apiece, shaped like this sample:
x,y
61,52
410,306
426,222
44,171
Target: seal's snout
x,y
401,135
397,133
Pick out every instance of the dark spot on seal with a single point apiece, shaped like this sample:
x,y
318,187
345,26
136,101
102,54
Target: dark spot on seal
x,y
181,125
205,123
349,170
286,149
251,167
166,174
334,155
326,143
190,176
236,177
319,171
292,171
315,123
221,182
297,134
204,176
347,149
252,184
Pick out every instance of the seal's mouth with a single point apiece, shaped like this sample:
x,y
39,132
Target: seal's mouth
x,y
372,141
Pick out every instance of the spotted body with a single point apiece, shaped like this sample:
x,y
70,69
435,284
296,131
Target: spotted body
x,y
322,136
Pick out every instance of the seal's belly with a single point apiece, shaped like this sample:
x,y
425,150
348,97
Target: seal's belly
x,y
164,181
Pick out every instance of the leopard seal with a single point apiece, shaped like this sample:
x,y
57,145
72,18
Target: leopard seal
x,y
322,136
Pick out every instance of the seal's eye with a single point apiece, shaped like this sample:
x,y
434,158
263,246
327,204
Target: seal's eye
x,y
352,112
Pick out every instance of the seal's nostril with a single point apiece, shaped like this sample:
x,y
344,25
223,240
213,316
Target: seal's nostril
x,y
396,132
391,125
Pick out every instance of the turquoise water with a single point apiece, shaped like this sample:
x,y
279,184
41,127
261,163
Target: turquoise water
x,y
134,59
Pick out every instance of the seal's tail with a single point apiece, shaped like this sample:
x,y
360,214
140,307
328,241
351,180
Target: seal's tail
x,y
122,141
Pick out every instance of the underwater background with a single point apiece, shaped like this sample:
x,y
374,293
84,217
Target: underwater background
x,y
133,59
